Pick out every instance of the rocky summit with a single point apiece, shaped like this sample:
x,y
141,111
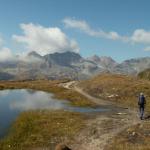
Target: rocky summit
x,y
68,65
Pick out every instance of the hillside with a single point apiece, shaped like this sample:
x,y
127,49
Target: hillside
x,y
118,88
5,76
145,74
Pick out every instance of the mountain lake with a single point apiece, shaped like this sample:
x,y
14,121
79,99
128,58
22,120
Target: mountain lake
x,y
13,102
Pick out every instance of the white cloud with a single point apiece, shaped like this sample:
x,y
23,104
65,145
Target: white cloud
x,y
33,101
5,54
141,36
85,27
147,48
45,40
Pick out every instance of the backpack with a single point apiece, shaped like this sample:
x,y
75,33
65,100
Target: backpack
x,y
141,100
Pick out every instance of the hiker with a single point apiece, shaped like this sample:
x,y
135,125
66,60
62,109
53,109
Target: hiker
x,y
141,103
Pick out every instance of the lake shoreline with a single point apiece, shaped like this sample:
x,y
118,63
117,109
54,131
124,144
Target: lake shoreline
x,y
59,92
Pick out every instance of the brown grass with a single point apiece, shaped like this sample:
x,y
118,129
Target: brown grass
x,y
125,90
134,138
121,89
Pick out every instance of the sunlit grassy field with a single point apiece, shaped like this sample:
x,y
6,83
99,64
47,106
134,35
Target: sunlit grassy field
x,y
121,89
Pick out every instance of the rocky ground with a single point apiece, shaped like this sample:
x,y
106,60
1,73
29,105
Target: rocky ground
x,y
102,128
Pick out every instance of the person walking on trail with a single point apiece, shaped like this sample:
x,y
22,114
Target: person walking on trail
x,y
141,103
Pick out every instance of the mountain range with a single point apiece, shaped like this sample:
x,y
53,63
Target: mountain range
x,y
67,65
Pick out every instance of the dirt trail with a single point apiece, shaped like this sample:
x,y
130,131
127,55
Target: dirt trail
x,y
102,127
94,99
73,85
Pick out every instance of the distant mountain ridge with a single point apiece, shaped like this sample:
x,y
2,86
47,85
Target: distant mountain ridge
x,y
103,61
68,65
133,66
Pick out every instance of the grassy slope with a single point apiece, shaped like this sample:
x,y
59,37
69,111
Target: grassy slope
x,y
145,74
127,88
118,88
35,129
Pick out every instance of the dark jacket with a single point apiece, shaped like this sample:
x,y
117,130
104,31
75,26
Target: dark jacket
x,y
142,100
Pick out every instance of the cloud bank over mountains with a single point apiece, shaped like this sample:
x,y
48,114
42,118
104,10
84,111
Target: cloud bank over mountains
x,y
5,54
45,40
48,40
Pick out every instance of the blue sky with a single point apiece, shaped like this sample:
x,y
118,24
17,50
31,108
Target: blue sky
x,y
116,28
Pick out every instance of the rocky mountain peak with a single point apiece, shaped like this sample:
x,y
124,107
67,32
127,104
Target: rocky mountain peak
x,y
94,58
63,59
34,54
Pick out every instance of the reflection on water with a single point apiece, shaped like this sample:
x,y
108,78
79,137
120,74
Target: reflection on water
x,y
36,100
12,102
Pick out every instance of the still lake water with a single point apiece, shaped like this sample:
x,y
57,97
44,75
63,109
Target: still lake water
x,y
12,102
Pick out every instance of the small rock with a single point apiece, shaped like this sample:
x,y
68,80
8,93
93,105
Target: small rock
x,y
62,147
133,133
121,113
110,96
141,126
123,119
